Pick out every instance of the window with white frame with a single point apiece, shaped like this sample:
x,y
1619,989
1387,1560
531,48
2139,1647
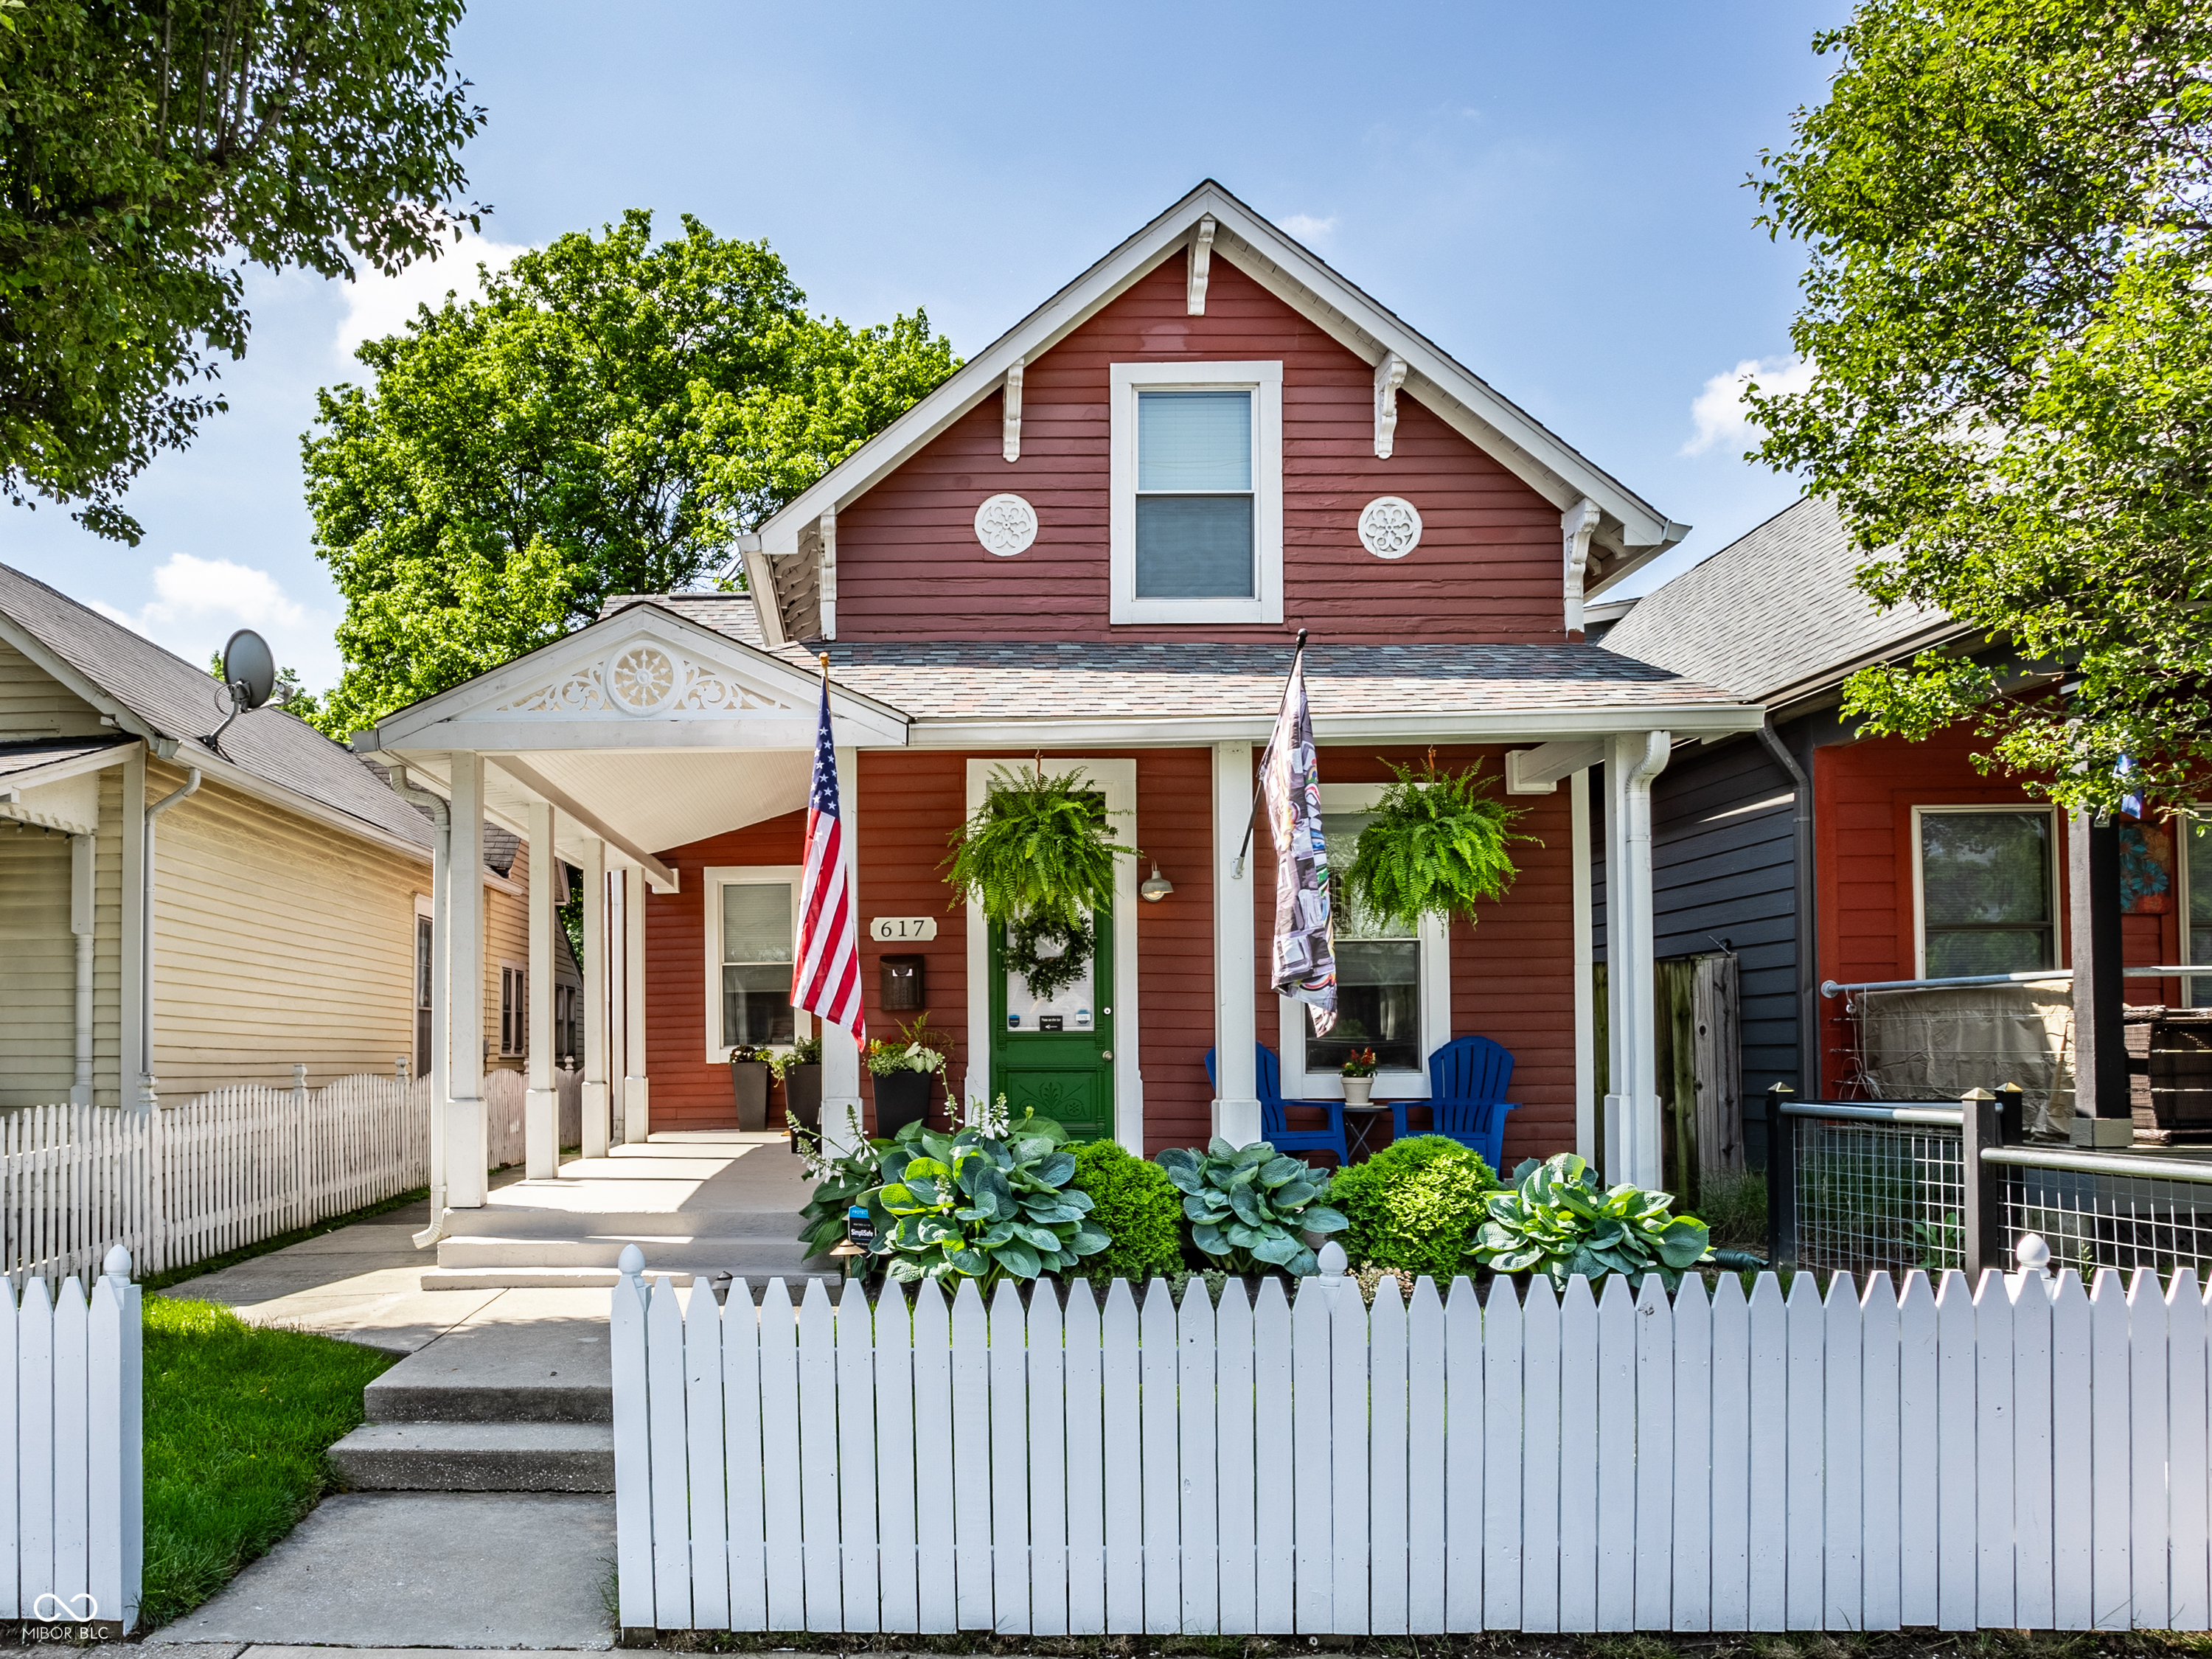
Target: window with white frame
x,y
1986,886
752,913
1196,521
1393,984
2196,862
514,1010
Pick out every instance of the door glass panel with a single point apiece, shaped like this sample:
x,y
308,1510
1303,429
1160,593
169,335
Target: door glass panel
x,y
757,949
1075,1005
1985,885
1378,972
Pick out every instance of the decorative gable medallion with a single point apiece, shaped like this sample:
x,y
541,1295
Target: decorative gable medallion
x,y
1005,524
1391,528
641,677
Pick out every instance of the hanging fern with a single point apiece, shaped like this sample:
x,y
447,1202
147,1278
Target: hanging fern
x,y
1038,850
1437,842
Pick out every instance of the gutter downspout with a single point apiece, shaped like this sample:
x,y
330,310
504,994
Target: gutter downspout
x,y
441,844
1807,951
148,1100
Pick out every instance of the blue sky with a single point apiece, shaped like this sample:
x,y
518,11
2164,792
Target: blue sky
x,y
1553,193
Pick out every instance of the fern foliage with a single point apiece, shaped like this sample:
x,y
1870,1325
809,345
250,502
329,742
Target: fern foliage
x,y
1038,849
1436,840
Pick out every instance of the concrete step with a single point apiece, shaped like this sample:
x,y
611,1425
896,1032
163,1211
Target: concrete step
x,y
478,1457
530,1278
750,1256
418,1400
555,1221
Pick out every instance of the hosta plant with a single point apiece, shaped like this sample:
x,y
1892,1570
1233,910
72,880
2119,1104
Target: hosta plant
x,y
1247,1207
843,1181
1558,1219
971,1206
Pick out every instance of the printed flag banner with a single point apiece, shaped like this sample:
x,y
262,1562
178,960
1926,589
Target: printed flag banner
x,y
1305,933
825,977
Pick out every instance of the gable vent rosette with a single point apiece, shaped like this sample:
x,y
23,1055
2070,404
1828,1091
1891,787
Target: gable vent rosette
x,y
639,677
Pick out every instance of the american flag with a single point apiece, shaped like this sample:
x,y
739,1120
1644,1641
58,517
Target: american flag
x,y
825,979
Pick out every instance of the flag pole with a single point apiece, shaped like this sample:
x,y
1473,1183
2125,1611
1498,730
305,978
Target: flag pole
x,y
1258,786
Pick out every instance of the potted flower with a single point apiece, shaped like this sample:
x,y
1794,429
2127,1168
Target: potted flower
x,y
905,1069
1359,1070
749,1071
800,1068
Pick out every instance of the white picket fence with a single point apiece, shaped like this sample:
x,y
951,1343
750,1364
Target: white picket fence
x,y
2033,1456
208,1174
72,1470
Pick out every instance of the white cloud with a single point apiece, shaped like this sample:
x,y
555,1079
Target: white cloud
x,y
1306,227
377,305
197,603
1719,409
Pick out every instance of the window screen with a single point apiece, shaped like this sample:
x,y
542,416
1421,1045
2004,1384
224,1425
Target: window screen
x,y
2199,854
1985,888
756,962
1194,507
1378,973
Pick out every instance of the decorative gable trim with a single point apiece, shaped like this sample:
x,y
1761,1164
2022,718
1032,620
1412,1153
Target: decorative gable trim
x,y
1577,526
1630,531
1389,375
1010,423
1201,264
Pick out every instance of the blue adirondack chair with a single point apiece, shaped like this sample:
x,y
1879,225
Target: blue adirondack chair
x,y
1467,1080
1268,1076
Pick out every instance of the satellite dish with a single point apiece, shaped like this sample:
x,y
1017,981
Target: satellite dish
x,y
250,668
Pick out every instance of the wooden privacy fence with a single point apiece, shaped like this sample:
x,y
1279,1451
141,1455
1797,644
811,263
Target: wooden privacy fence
x,y
190,1181
2034,1455
71,1465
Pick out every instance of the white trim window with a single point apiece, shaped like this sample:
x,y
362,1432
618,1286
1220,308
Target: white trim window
x,y
752,920
2195,867
514,1010
1195,528
1984,891
1393,988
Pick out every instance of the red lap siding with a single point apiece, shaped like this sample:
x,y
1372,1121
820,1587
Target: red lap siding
x,y
1487,569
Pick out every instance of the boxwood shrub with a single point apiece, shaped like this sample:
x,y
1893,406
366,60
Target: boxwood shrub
x,y
1136,1205
1414,1204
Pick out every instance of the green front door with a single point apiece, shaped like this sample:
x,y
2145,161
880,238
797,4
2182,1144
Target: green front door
x,y
1056,1057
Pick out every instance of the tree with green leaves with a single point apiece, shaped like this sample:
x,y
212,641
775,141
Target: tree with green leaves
x,y
152,150
2007,207
607,419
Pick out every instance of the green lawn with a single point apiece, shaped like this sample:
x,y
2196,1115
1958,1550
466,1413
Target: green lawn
x,y
238,1419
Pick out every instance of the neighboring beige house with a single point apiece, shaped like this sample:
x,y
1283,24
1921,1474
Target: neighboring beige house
x,y
289,889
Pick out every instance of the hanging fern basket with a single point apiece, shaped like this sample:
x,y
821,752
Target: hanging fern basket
x,y
1437,842
1038,857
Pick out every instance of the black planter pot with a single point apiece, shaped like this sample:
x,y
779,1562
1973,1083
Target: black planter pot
x,y
802,1096
902,1098
749,1083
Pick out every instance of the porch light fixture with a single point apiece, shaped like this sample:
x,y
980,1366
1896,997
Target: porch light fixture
x,y
1156,886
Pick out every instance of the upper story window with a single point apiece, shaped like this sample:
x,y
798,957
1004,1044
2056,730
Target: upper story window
x,y
1986,881
1196,523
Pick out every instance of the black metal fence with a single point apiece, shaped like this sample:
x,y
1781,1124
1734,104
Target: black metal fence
x,y
1864,1188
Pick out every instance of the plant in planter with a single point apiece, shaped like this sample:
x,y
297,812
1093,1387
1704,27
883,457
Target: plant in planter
x,y
1039,860
1558,1219
1360,1069
1435,843
1250,1207
799,1068
971,1206
749,1074
905,1070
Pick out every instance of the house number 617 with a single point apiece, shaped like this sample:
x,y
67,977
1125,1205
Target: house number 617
x,y
893,930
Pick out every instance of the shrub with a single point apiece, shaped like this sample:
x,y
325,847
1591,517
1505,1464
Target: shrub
x,y
1414,1204
1136,1204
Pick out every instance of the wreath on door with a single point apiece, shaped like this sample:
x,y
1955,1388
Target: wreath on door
x,y
1047,971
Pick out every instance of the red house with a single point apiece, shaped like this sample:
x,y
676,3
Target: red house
x,y
1091,547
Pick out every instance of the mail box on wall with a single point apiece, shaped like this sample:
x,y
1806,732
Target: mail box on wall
x,y
905,988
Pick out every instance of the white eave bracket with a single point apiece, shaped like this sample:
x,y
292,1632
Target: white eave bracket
x,y
1538,771
1010,442
826,591
1389,375
1202,260
1577,526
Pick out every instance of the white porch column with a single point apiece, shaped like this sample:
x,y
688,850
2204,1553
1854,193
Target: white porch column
x,y
1236,1091
541,1106
617,1003
468,1138
1632,1121
841,1053
597,1127
637,1115
1578,838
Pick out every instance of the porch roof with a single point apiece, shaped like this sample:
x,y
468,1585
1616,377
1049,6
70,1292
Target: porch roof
x,y
951,687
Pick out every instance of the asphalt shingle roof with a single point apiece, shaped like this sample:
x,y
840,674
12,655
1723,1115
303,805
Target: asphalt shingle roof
x,y
1774,609
178,700
939,679
30,754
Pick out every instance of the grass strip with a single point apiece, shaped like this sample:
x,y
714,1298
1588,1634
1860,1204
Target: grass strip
x,y
238,1420
161,1281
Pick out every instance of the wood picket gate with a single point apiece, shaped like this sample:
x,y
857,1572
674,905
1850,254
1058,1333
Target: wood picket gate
x,y
2032,1455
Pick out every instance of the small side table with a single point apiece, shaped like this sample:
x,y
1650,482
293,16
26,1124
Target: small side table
x,y
1359,1124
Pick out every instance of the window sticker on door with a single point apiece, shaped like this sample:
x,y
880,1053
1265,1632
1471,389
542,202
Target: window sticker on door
x,y
1082,1019
1052,1023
